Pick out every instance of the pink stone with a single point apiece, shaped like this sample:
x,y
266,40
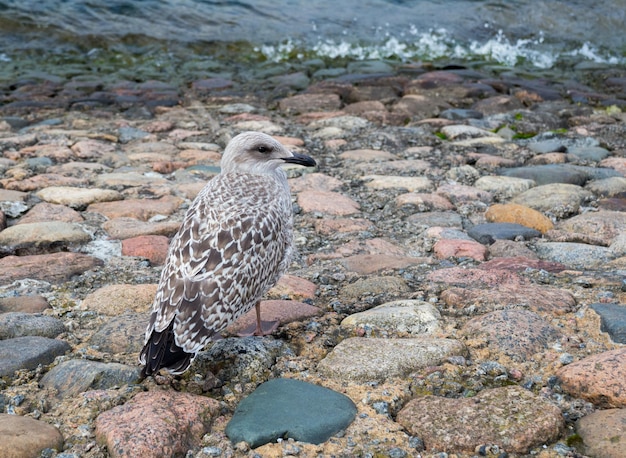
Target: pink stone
x,y
424,202
317,181
343,225
276,310
156,423
368,155
478,278
371,263
521,263
142,209
331,203
459,248
54,267
152,247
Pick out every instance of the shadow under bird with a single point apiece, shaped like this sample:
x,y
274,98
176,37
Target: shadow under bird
x,y
234,243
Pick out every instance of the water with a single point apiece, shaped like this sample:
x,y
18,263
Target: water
x,y
522,33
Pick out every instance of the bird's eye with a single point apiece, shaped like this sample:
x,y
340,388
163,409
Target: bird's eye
x,y
264,149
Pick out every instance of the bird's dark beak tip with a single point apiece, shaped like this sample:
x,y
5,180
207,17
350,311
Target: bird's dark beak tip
x,y
300,159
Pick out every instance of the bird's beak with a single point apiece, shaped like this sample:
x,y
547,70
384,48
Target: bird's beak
x,y
301,159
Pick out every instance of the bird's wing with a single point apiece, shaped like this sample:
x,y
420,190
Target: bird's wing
x,y
226,255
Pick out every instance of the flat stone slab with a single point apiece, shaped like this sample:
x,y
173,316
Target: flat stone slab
x,y
40,236
53,267
362,359
28,352
285,408
513,418
487,233
77,197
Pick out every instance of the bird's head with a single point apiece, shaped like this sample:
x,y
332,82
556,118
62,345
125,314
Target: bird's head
x,y
256,152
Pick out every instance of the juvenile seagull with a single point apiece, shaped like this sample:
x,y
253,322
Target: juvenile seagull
x,y
234,244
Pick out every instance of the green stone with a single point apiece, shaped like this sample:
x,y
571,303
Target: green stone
x,y
285,408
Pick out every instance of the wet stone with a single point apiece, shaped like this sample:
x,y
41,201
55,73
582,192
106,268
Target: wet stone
x,y
24,437
487,233
176,421
613,320
17,324
517,333
28,352
364,359
512,418
309,413
77,375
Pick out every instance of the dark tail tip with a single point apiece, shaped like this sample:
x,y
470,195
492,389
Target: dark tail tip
x,y
161,352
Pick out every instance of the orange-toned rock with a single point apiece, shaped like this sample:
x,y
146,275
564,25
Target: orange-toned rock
x,y
519,214
53,267
142,209
294,287
117,299
330,203
603,433
600,379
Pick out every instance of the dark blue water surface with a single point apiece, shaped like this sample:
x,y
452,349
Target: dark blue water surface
x,y
528,33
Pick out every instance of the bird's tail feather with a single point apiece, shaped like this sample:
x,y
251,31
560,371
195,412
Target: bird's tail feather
x,y
161,352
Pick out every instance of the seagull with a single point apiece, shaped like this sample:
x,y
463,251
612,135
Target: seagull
x,y
234,243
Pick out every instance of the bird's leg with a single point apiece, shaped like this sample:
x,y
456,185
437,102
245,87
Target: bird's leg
x,y
261,328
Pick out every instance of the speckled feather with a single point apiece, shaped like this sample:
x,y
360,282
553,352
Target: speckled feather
x,y
233,245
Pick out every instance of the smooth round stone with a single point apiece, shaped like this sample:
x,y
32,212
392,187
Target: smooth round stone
x,y
457,114
463,132
502,187
547,146
608,187
16,324
487,233
28,352
307,413
411,184
589,153
430,219
26,437
121,334
594,428
77,197
613,320
364,359
77,375
519,214
42,235
548,174
558,198
407,316
576,255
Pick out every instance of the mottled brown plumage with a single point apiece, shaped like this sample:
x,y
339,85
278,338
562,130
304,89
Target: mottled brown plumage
x,y
233,245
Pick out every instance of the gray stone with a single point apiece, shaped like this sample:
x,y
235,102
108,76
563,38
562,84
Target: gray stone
x,y
559,199
306,413
575,255
17,324
38,236
405,316
607,187
589,153
456,114
613,320
548,174
430,219
241,360
487,233
28,352
503,188
121,334
547,146
77,375
362,359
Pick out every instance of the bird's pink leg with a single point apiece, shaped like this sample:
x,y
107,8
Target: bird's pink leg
x,y
261,328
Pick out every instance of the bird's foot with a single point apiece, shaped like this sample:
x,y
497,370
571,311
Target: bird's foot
x,y
265,328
